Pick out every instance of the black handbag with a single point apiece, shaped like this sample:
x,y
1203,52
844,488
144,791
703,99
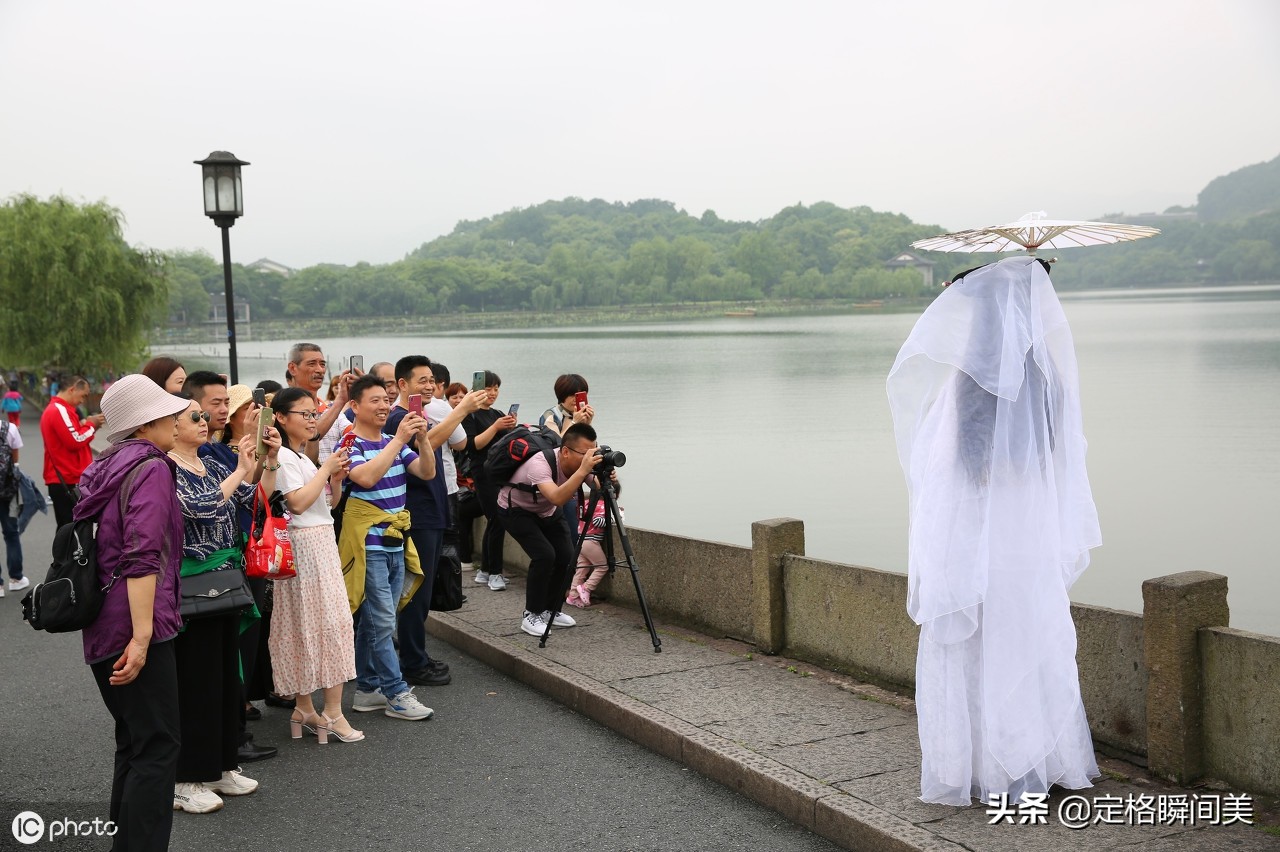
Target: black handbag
x,y
212,593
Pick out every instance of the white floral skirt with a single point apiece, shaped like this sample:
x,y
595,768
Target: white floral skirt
x,y
312,640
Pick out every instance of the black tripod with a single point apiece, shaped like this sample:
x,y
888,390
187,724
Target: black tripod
x,y
612,517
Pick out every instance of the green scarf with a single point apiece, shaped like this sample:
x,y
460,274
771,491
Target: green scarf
x,y
192,567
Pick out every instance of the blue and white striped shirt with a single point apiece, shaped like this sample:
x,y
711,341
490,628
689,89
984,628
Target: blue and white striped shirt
x,y
388,493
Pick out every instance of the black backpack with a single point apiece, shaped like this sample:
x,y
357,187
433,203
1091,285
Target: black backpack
x,y
514,449
8,472
70,597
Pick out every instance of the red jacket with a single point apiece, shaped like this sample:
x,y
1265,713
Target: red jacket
x,y
66,442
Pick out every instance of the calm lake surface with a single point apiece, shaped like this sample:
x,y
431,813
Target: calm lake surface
x,y
729,421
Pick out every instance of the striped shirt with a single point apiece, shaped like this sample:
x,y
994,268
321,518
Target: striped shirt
x,y
388,493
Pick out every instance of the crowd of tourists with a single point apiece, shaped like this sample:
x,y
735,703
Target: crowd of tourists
x,y
376,476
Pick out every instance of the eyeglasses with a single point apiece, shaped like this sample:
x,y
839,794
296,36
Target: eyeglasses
x,y
306,415
197,416
579,452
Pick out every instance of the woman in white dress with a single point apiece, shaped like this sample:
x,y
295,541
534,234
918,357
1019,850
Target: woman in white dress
x,y
312,641
986,408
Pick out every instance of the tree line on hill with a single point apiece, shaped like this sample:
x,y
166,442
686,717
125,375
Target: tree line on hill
x,y
75,293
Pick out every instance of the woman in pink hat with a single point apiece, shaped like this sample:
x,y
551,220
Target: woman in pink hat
x,y
130,646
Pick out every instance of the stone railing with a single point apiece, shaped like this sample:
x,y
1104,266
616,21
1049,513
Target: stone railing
x,y
1173,688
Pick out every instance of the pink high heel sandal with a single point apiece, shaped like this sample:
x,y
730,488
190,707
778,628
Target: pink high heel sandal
x,y
308,721
327,728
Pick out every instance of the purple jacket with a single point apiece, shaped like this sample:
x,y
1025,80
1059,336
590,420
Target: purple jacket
x,y
147,540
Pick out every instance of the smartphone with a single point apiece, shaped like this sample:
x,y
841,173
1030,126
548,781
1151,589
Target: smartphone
x,y
415,403
264,422
477,380
346,442
512,411
580,400
357,364
260,397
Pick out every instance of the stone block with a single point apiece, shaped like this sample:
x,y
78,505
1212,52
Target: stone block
x,y
771,542
1174,609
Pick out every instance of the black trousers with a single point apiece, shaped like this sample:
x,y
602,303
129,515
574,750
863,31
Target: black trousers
x,y
494,529
208,654
468,510
546,541
147,748
63,502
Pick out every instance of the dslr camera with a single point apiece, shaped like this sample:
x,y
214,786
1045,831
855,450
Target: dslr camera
x,y
609,459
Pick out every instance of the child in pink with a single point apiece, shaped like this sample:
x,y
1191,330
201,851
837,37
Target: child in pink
x,y
591,560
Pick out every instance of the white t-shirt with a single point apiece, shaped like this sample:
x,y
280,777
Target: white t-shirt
x,y
296,471
437,410
15,440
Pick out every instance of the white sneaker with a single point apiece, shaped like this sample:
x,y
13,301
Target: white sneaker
x,y
466,566
366,701
496,583
232,783
1,590
195,798
407,706
533,623
19,585
562,620
482,578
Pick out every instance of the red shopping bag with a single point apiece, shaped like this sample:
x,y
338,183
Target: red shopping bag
x,y
269,553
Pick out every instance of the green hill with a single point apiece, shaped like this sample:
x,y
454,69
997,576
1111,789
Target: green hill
x,y
1251,191
577,253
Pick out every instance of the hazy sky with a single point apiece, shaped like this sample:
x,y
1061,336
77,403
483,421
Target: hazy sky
x,y
375,126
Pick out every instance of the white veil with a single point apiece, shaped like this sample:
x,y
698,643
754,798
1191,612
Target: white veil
x,y
986,406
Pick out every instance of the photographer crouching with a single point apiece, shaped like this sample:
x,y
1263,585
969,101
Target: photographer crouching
x,y
531,503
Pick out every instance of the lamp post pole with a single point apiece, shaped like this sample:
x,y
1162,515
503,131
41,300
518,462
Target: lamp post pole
x,y
225,225
224,203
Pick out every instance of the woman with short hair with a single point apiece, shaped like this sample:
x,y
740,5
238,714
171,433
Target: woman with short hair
x,y
208,650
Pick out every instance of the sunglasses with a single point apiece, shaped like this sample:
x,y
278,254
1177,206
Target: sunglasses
x,y
197,416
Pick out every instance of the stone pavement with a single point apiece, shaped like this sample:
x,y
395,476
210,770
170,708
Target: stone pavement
x,y
838,757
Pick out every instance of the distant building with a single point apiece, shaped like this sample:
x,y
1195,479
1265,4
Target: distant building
x,y
911,260
267,265
218,309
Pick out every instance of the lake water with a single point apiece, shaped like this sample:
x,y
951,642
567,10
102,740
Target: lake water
x,y
729,421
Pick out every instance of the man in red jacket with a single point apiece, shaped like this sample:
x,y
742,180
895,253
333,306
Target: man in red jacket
x,y
66,444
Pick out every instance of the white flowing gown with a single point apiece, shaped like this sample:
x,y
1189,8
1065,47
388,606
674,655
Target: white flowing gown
x,y
986,409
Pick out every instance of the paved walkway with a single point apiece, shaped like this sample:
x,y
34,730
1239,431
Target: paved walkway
x,y
833,755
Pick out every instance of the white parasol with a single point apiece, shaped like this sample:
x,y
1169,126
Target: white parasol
x,y
1033,231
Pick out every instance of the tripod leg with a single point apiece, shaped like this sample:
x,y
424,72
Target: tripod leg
x,y
614,516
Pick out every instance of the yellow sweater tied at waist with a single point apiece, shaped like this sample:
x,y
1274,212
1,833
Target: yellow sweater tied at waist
x,y
360,517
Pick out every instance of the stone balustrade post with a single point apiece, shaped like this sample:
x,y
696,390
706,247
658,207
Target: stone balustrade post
x,y
1174,609
771,541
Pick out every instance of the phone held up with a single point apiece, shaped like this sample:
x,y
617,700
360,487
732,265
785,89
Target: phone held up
x,y
514,408
477,380
580,400
357,364
260,397
415,403
346,441
264,423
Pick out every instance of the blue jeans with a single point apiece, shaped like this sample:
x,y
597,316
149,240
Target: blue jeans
x,y
12,544
377,666
412,624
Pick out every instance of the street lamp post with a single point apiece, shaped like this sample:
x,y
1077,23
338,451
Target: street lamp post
x,y
224,203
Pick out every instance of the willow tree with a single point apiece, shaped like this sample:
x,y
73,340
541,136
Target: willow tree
x,y
74,293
